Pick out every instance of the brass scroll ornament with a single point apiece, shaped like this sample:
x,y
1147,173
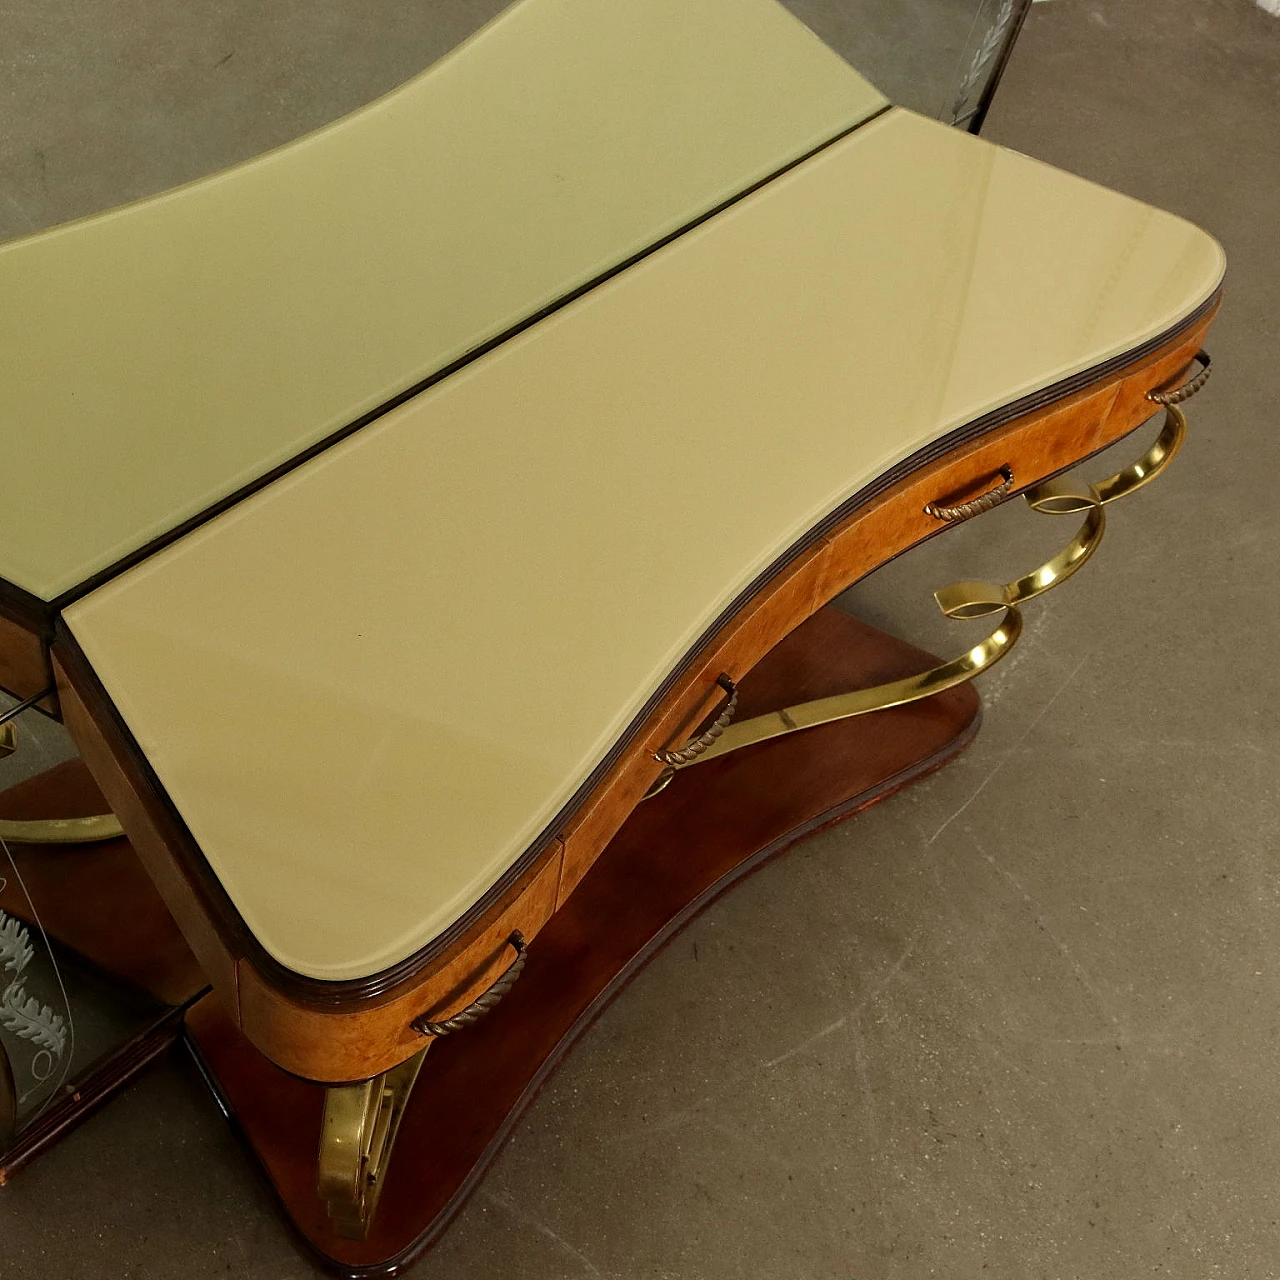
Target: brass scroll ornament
x,y
968,600
960,600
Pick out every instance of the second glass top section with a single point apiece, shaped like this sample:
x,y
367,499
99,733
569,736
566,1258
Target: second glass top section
x,y
159,357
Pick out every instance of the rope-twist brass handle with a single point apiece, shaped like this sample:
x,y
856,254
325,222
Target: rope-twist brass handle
x,y
483,1003
696,746
1165,447
975,506
1178,394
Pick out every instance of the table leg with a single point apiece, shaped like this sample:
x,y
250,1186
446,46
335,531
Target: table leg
x,y
357,1135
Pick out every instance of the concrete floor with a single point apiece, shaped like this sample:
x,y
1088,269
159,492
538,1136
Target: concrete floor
x,y
1020,1021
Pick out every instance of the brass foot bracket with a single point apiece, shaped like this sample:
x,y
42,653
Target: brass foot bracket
x,y
356,1138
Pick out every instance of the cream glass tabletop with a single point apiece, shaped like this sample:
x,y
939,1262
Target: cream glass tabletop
x,y
157,358
380,678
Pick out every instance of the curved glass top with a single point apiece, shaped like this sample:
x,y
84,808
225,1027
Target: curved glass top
x,y
160,357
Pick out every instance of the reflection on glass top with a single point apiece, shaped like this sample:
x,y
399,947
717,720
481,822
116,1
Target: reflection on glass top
x,y
110,112
113,112
163,355
933,56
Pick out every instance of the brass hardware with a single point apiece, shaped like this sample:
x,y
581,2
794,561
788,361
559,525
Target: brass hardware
x,y
696,746
1152,463
1178,394
1061,497
102,826
966,600
808,715
975,506
1166,445
960,600
356,1138
8,739
483,1003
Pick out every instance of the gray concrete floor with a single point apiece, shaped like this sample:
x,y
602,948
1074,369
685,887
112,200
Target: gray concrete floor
x,y
1020,1021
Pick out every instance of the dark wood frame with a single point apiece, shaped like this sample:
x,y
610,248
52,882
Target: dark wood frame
x,y
82,892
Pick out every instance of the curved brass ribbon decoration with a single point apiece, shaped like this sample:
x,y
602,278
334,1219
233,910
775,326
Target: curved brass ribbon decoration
x,y
966,600
102,826
1142,472
960,600
1166,445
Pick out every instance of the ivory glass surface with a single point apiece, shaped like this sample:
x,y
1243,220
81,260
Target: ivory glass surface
x,y
160,356
368,688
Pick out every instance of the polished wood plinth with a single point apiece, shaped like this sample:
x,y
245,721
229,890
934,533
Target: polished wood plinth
x,y
679,850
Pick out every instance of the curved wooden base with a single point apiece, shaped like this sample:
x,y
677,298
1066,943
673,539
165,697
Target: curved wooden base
x,y
675,854
357,1028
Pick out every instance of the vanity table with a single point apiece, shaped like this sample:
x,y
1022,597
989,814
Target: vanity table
x,y
455,623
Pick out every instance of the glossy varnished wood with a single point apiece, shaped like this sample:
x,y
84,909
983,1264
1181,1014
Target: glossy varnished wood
x,y
81,1097
152,829
678,851
339,1031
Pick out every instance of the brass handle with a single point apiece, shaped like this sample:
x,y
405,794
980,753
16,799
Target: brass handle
x,y
1178,394
703,742
975,506
484,1002
960,600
